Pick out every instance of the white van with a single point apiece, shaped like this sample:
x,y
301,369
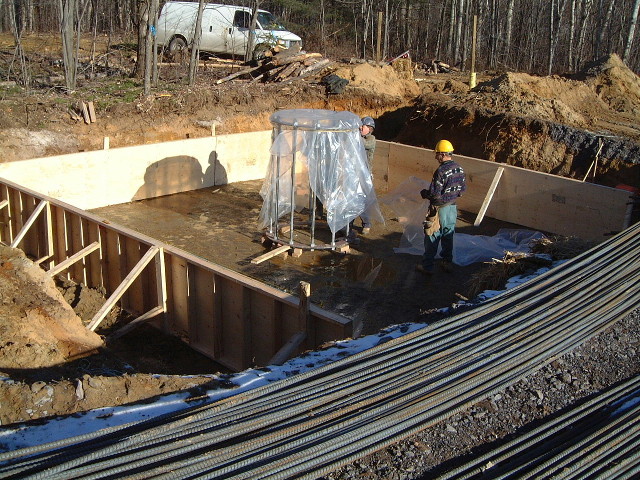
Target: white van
x,y
225,29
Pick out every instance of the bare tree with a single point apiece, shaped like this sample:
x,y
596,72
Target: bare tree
x,y
252,31
142,23
68,12
149,57
632,30
195,48
17,27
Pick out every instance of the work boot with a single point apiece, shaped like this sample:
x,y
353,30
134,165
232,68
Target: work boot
x,y
352,238
446,266
421,269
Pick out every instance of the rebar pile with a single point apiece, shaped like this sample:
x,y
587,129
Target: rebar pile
x,y
599,438
312,423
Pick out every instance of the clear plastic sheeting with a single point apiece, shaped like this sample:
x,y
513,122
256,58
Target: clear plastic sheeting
x,y
318,153
409,207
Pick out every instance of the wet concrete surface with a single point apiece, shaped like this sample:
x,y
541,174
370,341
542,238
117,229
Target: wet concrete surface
x,y
371,284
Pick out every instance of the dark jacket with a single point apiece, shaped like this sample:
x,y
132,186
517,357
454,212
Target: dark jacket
x,y
448,184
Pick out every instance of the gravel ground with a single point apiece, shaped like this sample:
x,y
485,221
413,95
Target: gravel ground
x,y
606,359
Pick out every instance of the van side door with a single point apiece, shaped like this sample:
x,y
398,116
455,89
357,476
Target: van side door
x,y
239,32
214,32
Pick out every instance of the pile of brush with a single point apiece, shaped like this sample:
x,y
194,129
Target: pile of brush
x,y
495,276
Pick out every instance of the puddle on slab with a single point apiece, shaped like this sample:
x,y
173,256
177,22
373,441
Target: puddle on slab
x,y
338,269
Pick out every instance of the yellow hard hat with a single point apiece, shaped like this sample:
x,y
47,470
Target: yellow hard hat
x,y
444,146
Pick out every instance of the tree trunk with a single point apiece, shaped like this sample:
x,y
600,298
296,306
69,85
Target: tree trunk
x,y
149,46
508,30
582,28
252,32
142,19
632,30
17,27
604,28
195,48
67,10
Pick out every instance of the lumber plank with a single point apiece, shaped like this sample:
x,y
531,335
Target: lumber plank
x,y
270,254
489,196
287,349
154,312
73,259
30,221
85,113
179,295
5,216
304,319
92,112
122,288
95,277
237,74
60,248
201,311
295,58
161,287
287,71
74,244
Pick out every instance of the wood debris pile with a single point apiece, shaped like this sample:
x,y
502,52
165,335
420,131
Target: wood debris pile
x,y
497,272
282,66
561,248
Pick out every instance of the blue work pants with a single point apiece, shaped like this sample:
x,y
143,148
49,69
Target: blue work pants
x,y
447,215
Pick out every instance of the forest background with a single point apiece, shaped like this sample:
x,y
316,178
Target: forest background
x,y
535,36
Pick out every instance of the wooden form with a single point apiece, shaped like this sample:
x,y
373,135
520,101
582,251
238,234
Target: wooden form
x,y
229,317
304,320
536,200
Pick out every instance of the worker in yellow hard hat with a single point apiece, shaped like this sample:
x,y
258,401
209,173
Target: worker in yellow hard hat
x,y
447,185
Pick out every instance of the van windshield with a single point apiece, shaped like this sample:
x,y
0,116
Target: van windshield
x,y
269,22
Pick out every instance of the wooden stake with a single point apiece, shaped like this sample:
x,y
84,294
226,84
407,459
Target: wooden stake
x,y
92,112
85,113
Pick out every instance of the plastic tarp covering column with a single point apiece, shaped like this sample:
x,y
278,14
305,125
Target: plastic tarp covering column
x,y
411,209
327,155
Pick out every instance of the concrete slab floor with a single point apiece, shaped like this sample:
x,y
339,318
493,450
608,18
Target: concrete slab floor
x,y
220,224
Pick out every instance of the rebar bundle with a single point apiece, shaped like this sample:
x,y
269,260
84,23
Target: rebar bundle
x,y
312,423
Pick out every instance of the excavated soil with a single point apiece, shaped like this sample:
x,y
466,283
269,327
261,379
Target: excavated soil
x,y
563,125
571,126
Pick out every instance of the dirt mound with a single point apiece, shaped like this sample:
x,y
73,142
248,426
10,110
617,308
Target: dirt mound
x,y
554,124
39,328
383,80
551,98
614,83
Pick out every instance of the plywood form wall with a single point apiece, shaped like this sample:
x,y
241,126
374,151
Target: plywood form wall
x,y
106,177
227,316
535,200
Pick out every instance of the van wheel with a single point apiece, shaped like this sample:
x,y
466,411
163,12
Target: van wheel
x,y
260,51
178,49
